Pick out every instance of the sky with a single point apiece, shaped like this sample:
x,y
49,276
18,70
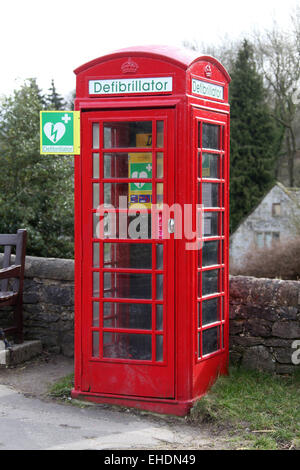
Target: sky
x,y
49,39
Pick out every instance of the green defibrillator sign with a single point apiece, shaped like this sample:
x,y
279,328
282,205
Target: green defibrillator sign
x,y
60,132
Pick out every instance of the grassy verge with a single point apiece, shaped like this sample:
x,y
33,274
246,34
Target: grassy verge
x,y
62,388
261,410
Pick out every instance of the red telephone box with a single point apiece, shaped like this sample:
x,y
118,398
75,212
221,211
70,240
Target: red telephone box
x,y
151,228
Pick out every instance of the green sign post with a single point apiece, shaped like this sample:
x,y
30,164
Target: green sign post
x,y
60,132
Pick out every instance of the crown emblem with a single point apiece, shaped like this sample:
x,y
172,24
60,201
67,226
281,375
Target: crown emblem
x,y
129,66
208,71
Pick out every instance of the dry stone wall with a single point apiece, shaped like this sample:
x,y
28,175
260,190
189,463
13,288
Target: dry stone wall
x,y
264,315
265,323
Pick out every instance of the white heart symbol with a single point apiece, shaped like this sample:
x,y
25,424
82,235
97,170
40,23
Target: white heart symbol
x,y
142,174
54,132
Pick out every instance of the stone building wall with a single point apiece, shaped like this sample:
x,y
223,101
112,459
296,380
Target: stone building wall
x,y
264,314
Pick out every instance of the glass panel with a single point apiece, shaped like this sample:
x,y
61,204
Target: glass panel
x,y
95,135
127,346
210,253
159,165
210,194
96,195
125,315
210,340
210,165
159,348
96,286
128,255
139,195
128,165
210,136
210,311
210,284
96,165
95,313
159,286
159,194
128,285
159,256
210,223
127,134
95,344
159,317
123,226
96,255
160,134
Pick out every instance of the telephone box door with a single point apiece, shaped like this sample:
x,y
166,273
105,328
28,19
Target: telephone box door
x,y
127,256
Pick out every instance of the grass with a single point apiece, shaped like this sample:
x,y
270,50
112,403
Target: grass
x,y
262,410
256,410
62,388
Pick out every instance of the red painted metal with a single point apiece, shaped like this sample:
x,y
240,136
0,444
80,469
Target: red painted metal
x,y
194,335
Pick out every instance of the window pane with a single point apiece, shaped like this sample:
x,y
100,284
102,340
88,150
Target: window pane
x,y
128,165
96,165
95,135
96,195
210,340
95,313
128,285
96,251
159,286
128,255
127,134
160,134
159,256
210,136
210,312
96,286
159,194
210,282
159,317
127,346
210,194
122,226
210,253
139,195
159,165
159,348
125,315
210,222
95,344
210,165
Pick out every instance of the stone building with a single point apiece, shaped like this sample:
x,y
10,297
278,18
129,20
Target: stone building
x,y
276,218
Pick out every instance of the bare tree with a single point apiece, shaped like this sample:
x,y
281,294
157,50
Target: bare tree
x,y
278,55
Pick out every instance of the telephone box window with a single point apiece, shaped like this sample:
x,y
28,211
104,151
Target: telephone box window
x,y
210,165
210,340
127,134
127,346
125,315
210,136
127,255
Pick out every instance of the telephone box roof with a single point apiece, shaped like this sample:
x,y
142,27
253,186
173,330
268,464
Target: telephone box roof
x,y
183,58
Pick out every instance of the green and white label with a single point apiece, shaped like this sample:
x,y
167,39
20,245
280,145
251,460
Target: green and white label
x,y
60,132
131,85
210,90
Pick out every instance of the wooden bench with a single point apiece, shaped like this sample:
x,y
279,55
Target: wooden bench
x,y
12,280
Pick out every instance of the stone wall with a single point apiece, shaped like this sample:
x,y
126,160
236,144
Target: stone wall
x,y
264,323
264,314
48,303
